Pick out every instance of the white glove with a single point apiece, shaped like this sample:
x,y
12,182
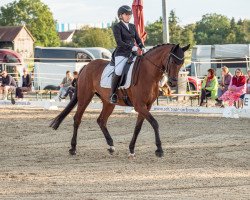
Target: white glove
x,y
135,48
144,50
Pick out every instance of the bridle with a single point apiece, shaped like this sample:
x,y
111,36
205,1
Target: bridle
x,y
165,68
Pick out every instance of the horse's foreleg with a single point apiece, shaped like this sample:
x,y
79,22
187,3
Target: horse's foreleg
x,y
137,130
102,122
145,113
82,105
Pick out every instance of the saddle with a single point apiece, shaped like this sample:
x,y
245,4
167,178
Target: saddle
x,y
124,75
126,68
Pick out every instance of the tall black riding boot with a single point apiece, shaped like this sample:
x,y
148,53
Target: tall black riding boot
x,y
114,86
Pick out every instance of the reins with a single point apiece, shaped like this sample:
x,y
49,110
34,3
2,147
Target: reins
x,y
163,70
166,66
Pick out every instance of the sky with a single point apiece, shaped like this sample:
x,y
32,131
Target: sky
x,y
188,11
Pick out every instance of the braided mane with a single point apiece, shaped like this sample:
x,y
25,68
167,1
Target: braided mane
x,y
155,47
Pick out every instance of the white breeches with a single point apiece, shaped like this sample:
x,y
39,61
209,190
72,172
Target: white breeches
x,y
120,62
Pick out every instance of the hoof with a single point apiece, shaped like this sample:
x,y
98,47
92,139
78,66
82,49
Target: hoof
x,y
72,152
131,156
159,153
111,150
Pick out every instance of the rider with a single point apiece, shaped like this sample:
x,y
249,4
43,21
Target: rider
x,y
125,35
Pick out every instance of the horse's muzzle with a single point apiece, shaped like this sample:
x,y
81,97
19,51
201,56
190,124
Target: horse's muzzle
x,y
172,82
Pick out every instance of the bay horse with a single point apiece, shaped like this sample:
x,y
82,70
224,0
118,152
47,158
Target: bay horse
x,y
165,58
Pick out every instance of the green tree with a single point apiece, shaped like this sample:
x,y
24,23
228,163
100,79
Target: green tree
x,y
154,33
177,34
212,29
246,29
187,35
36,16
94,37
242,31
237,33
174,28
114,22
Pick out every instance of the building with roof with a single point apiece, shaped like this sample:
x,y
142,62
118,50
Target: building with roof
x,y
66,37
17,38
64,27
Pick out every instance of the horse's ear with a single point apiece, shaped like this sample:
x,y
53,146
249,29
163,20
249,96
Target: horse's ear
x,y
176,47
186,48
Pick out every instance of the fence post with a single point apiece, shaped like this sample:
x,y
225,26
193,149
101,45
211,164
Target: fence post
x,y
182,84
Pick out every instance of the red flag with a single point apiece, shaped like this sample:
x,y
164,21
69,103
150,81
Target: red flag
x,y
137,8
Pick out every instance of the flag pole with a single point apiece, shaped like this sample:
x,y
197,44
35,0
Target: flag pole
x,y
165,22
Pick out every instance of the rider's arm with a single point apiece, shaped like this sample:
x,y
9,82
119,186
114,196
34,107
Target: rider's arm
x,y
138,39
118,38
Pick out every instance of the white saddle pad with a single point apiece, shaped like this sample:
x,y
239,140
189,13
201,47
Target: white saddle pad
x,y
107,76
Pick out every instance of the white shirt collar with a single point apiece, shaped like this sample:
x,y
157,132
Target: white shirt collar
x,y
126,24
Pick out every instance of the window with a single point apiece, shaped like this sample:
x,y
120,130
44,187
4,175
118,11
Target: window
x,y
58,55
11,59
83,57
105,55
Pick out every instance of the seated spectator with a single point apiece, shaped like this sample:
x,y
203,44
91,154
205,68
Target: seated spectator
x,y
164,88
236,88
8,84
247,89
72,88
16,74
26,84
66,82
209,87
226,79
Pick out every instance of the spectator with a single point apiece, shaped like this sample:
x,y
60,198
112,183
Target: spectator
x,y
32,75
65,85
164,88
209,87
26,84
8,84
16,74
72,88
247,89
226,79
236,88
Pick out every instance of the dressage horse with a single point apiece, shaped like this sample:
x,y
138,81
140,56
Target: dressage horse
x,y
165,58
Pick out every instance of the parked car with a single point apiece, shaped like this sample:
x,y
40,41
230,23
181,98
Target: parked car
x,y
51,64
99,52
193,82
10,61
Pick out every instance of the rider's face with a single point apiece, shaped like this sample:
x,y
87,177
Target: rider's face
x,y
126,17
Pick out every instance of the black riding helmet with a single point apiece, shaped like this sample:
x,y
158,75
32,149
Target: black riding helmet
x,y
124,9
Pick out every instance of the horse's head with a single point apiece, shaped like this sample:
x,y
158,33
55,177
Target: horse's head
x,y
174,62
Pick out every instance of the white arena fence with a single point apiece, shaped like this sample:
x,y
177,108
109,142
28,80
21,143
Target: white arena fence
x,y
50,104
229,112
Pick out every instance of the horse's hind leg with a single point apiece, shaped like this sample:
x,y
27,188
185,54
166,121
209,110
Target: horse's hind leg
x,y
102,122
82,105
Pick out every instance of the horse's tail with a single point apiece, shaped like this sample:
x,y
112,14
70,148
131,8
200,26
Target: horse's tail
x,y
58,120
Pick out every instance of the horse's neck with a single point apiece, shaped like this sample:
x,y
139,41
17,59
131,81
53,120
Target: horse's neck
x,y
156,62
156,57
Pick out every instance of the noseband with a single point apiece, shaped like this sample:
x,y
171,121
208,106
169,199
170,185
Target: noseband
x,y
166,68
